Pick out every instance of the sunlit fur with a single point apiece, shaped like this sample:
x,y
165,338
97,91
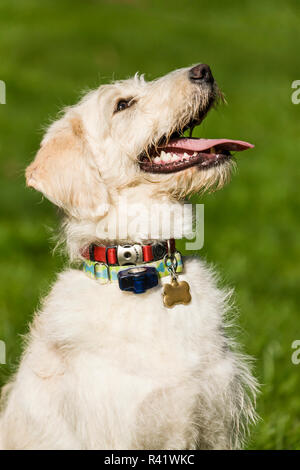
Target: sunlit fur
x,y
104,369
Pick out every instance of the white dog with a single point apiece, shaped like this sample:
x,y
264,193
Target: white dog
x,y
106,368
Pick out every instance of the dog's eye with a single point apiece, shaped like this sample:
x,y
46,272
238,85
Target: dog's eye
x,y
123,104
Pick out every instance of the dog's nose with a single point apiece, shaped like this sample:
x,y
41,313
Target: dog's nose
x,y
201,73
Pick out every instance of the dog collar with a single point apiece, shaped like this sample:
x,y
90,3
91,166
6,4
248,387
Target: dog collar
x,y
120,255
105,273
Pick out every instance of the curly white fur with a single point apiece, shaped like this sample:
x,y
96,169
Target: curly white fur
x,y
105,369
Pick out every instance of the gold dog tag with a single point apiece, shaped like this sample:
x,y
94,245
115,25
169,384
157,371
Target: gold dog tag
x,y
176,293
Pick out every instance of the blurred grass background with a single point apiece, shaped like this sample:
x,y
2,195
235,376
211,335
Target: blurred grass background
x,y
50,51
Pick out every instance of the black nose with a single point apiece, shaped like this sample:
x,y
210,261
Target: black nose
x,y
201,73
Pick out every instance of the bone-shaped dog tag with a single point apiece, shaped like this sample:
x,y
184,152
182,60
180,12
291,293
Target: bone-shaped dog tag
x,y
176,293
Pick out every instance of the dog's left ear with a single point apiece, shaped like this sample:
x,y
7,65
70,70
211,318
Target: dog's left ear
x,y
64,170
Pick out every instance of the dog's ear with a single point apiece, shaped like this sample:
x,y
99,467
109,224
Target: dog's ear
x,y
64,170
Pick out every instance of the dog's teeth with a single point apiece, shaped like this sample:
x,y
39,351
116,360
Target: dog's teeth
x,y
194,154
157,160
165,156
185,155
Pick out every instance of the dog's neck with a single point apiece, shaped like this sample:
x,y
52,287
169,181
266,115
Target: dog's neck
x,y
133,217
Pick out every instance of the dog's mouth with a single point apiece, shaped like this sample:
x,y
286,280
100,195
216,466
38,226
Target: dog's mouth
x,y
179,153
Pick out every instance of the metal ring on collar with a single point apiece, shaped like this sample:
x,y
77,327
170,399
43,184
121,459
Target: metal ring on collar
x,y
173,262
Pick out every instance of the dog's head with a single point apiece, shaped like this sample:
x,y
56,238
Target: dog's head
x,y
130,133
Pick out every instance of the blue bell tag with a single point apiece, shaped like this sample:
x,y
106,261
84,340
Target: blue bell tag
x,y
138,279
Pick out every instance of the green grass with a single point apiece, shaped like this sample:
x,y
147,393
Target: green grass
x,y
50,51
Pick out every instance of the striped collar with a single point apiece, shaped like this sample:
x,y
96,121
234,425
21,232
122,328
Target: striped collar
x,y
105,274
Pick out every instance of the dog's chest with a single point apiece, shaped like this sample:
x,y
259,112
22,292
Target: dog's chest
x,y
136,333
127,358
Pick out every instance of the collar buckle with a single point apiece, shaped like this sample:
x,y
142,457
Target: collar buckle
x,y
129,254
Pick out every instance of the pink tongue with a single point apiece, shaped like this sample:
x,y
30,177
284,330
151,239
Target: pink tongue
x,y
200,145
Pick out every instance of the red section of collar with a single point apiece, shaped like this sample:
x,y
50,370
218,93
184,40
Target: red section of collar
x,y
109,254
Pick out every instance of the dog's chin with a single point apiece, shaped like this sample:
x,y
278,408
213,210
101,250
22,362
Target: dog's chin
x,y
193,180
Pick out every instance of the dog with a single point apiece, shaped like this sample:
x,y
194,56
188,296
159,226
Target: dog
x,y
134,360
